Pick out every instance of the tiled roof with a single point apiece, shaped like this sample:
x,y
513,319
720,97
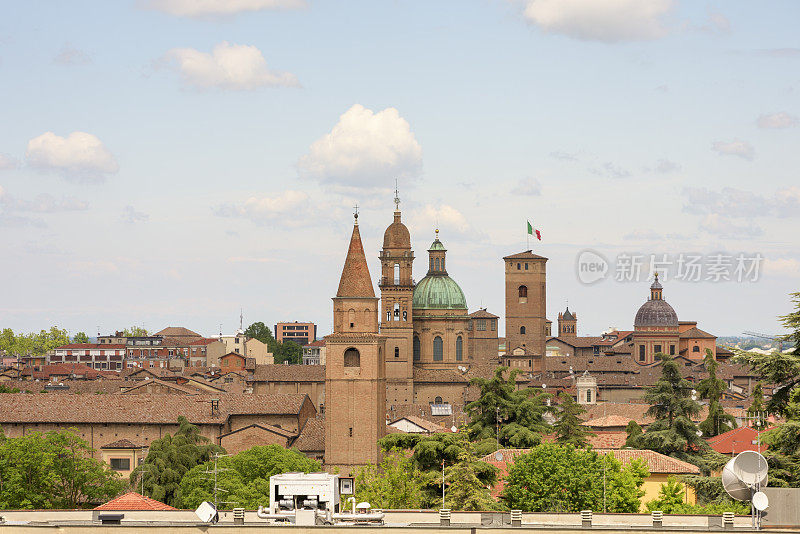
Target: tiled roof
x,y
657,463
142,409
355,281
272,372
317,343
133,501
599,363
63,369
578,341
629,411
697,333
602,439
264,426
483,314
170,385
203,341
527,255
109,385
92,346
424,410
177,331
735,441
607,421
438,375
312,437
121,444
428,426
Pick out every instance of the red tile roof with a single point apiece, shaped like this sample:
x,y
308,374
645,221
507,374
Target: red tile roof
x,y
355,281
134,501
735,441
527,255
121,444
317,343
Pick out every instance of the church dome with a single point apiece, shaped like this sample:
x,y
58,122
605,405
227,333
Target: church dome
x,y
396,235
438,292
656,313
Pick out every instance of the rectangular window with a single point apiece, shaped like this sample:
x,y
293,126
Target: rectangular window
x,y
120,464
481,325
641,353
657,348
672,350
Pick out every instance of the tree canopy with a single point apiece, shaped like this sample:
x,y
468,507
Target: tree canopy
x,y
135,331
169,459
53,470
33,343
569,428
520,413
712,388
396,483
242,479
561,478
261,332
80,337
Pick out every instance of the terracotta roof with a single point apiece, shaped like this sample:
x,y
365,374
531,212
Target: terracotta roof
x,y
428,426
177,331
735,441
264,426
398,411
92,346
133,501
143,409
438,375
527,255
203,341
657,463
697,333
482,313
578,341
121,444
607,421
273,372
317,343
312,437
355,281
170,385
602,439
629,411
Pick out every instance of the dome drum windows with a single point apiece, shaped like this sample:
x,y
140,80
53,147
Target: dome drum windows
x,y
417,349
438,349
459,349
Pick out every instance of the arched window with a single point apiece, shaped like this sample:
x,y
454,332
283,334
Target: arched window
x,y
352,358
396,273
431,267
397,352
417,348
351,318
396,311
521,329
438,400
443,264
459,349
523,291
438,349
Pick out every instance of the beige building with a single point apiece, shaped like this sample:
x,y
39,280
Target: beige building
x,y
246,346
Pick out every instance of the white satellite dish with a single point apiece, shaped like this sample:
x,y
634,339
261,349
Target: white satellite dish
x,y
454,428
743,474
760,501
498,456
206,512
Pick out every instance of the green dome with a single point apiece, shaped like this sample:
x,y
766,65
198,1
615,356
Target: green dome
x,y
436,245
438,292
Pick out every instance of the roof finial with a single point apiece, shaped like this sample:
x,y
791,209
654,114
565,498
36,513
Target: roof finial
x,y
355,214
437,234
396,197
656,274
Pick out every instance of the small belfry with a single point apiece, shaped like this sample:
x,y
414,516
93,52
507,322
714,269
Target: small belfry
x,y
355,377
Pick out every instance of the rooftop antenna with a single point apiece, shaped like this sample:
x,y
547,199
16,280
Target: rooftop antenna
x,y
396,197
241,319
355,214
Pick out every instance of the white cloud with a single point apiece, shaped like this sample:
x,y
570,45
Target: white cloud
x,y
737,203
93,268
782,267
131,216
70,55
228,66
787,202
725,228
205,8
737,147
78,156
528,187
665,166
365,150
600,20
7,162
446,218
777,120
289,208
612,170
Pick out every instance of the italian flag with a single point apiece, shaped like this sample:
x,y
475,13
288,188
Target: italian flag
x,y
534,231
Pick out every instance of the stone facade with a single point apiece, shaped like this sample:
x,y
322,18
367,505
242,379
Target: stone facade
x,y
526,298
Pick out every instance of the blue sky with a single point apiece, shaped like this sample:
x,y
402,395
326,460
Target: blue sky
x,y
168,162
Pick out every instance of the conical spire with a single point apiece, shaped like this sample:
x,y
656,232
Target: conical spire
x,y
355,281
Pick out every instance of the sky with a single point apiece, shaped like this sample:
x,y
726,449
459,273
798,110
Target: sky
x,y
179,162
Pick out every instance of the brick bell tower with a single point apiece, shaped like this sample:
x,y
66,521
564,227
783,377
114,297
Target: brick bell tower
x,y
526,321
397,291
567,324
355,381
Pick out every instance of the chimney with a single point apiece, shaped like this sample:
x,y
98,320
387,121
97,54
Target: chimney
x,y
214,406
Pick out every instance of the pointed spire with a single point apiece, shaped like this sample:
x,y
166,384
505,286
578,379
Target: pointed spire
x,y
355,281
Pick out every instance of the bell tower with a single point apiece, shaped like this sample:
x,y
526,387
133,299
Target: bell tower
x,y
355,380
567,324
526,323
397,291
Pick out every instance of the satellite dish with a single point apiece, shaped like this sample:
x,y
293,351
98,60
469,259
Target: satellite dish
x,y
454,428
744,473
760,501
206,512
498,456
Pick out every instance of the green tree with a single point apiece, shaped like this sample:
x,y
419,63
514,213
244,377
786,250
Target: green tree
x,y
261,332
670,497
463,489
757,409
778,368
783,454
169,459
80,337
712,388
135,331
396,483
561,478
634,434
242,479
673,432
520,414
569,428
288,351
53,470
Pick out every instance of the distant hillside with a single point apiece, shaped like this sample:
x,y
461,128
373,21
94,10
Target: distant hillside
x,y
750,343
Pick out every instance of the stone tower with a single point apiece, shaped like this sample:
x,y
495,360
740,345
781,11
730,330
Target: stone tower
x,y
567,324
355,380
397,291
526,323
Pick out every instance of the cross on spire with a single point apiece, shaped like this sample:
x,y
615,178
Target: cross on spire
x,y
355,213
396,197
